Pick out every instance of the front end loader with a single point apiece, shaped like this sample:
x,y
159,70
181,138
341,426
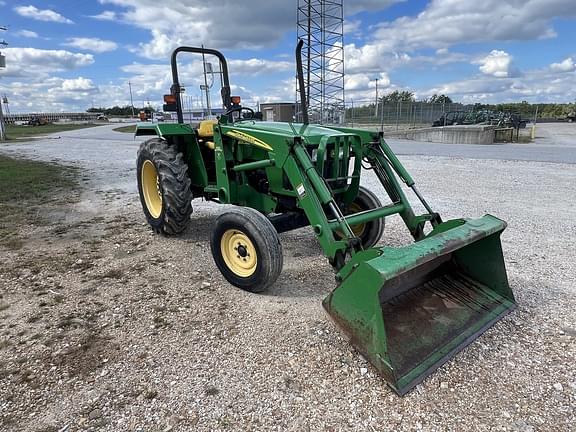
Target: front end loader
x,y
406,309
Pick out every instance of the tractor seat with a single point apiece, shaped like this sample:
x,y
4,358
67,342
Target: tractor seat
x,y
205,132
206,128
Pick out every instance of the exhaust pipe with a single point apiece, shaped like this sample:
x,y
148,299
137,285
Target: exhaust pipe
x,y
300,72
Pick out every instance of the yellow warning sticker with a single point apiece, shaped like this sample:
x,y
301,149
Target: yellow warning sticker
x,y
241,136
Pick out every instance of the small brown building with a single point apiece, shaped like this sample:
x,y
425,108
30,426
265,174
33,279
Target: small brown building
x,y
279,112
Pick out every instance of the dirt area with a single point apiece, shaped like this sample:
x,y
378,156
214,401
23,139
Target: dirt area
x,y
105,326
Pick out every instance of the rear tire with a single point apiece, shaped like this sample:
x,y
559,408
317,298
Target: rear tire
x,y
164,186
369,232
246,249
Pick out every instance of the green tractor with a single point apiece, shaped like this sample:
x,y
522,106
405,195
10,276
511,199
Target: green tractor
x,y
406,309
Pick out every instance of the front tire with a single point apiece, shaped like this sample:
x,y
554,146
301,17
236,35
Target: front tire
x,y
164,186
246,249
369,232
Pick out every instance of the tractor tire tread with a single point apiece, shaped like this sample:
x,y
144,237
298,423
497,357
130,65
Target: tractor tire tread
x,y
263,233
174,183
375,228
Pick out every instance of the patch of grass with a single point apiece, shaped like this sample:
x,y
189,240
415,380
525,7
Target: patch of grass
x,y
26,185
25,180
125,129
15,132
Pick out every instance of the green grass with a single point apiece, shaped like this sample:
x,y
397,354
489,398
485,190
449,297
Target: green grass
x,y
14,132
125,129
26,187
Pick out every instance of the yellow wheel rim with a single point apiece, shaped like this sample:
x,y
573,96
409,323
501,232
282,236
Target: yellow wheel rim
x,y
359,229
151,189
238,253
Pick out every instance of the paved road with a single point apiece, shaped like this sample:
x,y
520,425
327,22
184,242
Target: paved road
x,y
556,142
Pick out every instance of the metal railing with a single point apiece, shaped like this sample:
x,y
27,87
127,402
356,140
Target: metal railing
x,y
52,117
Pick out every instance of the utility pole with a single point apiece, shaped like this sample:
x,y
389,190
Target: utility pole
x,y
2,124
6,103
533,134
3,44
376,111
131,100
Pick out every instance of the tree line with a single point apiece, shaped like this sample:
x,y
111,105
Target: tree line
x,y
525,109
117,111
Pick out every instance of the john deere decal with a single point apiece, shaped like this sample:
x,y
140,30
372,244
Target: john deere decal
x,y
249,139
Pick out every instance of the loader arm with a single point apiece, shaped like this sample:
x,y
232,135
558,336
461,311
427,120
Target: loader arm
x,y
322,210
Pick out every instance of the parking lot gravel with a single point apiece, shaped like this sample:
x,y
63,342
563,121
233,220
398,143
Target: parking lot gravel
x,y
105,326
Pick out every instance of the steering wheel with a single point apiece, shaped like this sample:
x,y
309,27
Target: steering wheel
x,y
240,109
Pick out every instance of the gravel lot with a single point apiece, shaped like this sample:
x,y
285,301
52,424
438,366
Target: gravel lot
x,y
105,326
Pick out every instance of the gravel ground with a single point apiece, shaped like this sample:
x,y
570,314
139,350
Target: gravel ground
x,y
105,326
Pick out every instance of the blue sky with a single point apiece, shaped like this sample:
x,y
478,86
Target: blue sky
x,y
68,55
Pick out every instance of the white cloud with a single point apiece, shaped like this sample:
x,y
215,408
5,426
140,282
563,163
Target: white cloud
x,y
352,7
445,56
41,14
27,34
360,81
92,44
260,23
361,87
78,84
38,62
472,87
105,16
447,22
498,64
257,66
564,66
352,26
372,58
534,86
53,94
155,79
216,25
160,47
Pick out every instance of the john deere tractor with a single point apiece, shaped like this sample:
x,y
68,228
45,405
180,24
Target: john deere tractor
x,y
406,309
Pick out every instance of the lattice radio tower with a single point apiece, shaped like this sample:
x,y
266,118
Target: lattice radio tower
x,y
321,27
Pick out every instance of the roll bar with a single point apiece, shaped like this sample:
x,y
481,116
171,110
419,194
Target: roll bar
x,y
176,88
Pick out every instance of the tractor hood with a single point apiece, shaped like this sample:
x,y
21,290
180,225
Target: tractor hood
x,y
311,133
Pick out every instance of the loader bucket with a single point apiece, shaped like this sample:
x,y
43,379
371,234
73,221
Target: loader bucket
x,y
408,310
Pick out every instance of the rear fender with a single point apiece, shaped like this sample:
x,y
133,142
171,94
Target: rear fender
x,y
183,136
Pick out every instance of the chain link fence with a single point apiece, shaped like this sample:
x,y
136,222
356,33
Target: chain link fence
x,y
397,115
